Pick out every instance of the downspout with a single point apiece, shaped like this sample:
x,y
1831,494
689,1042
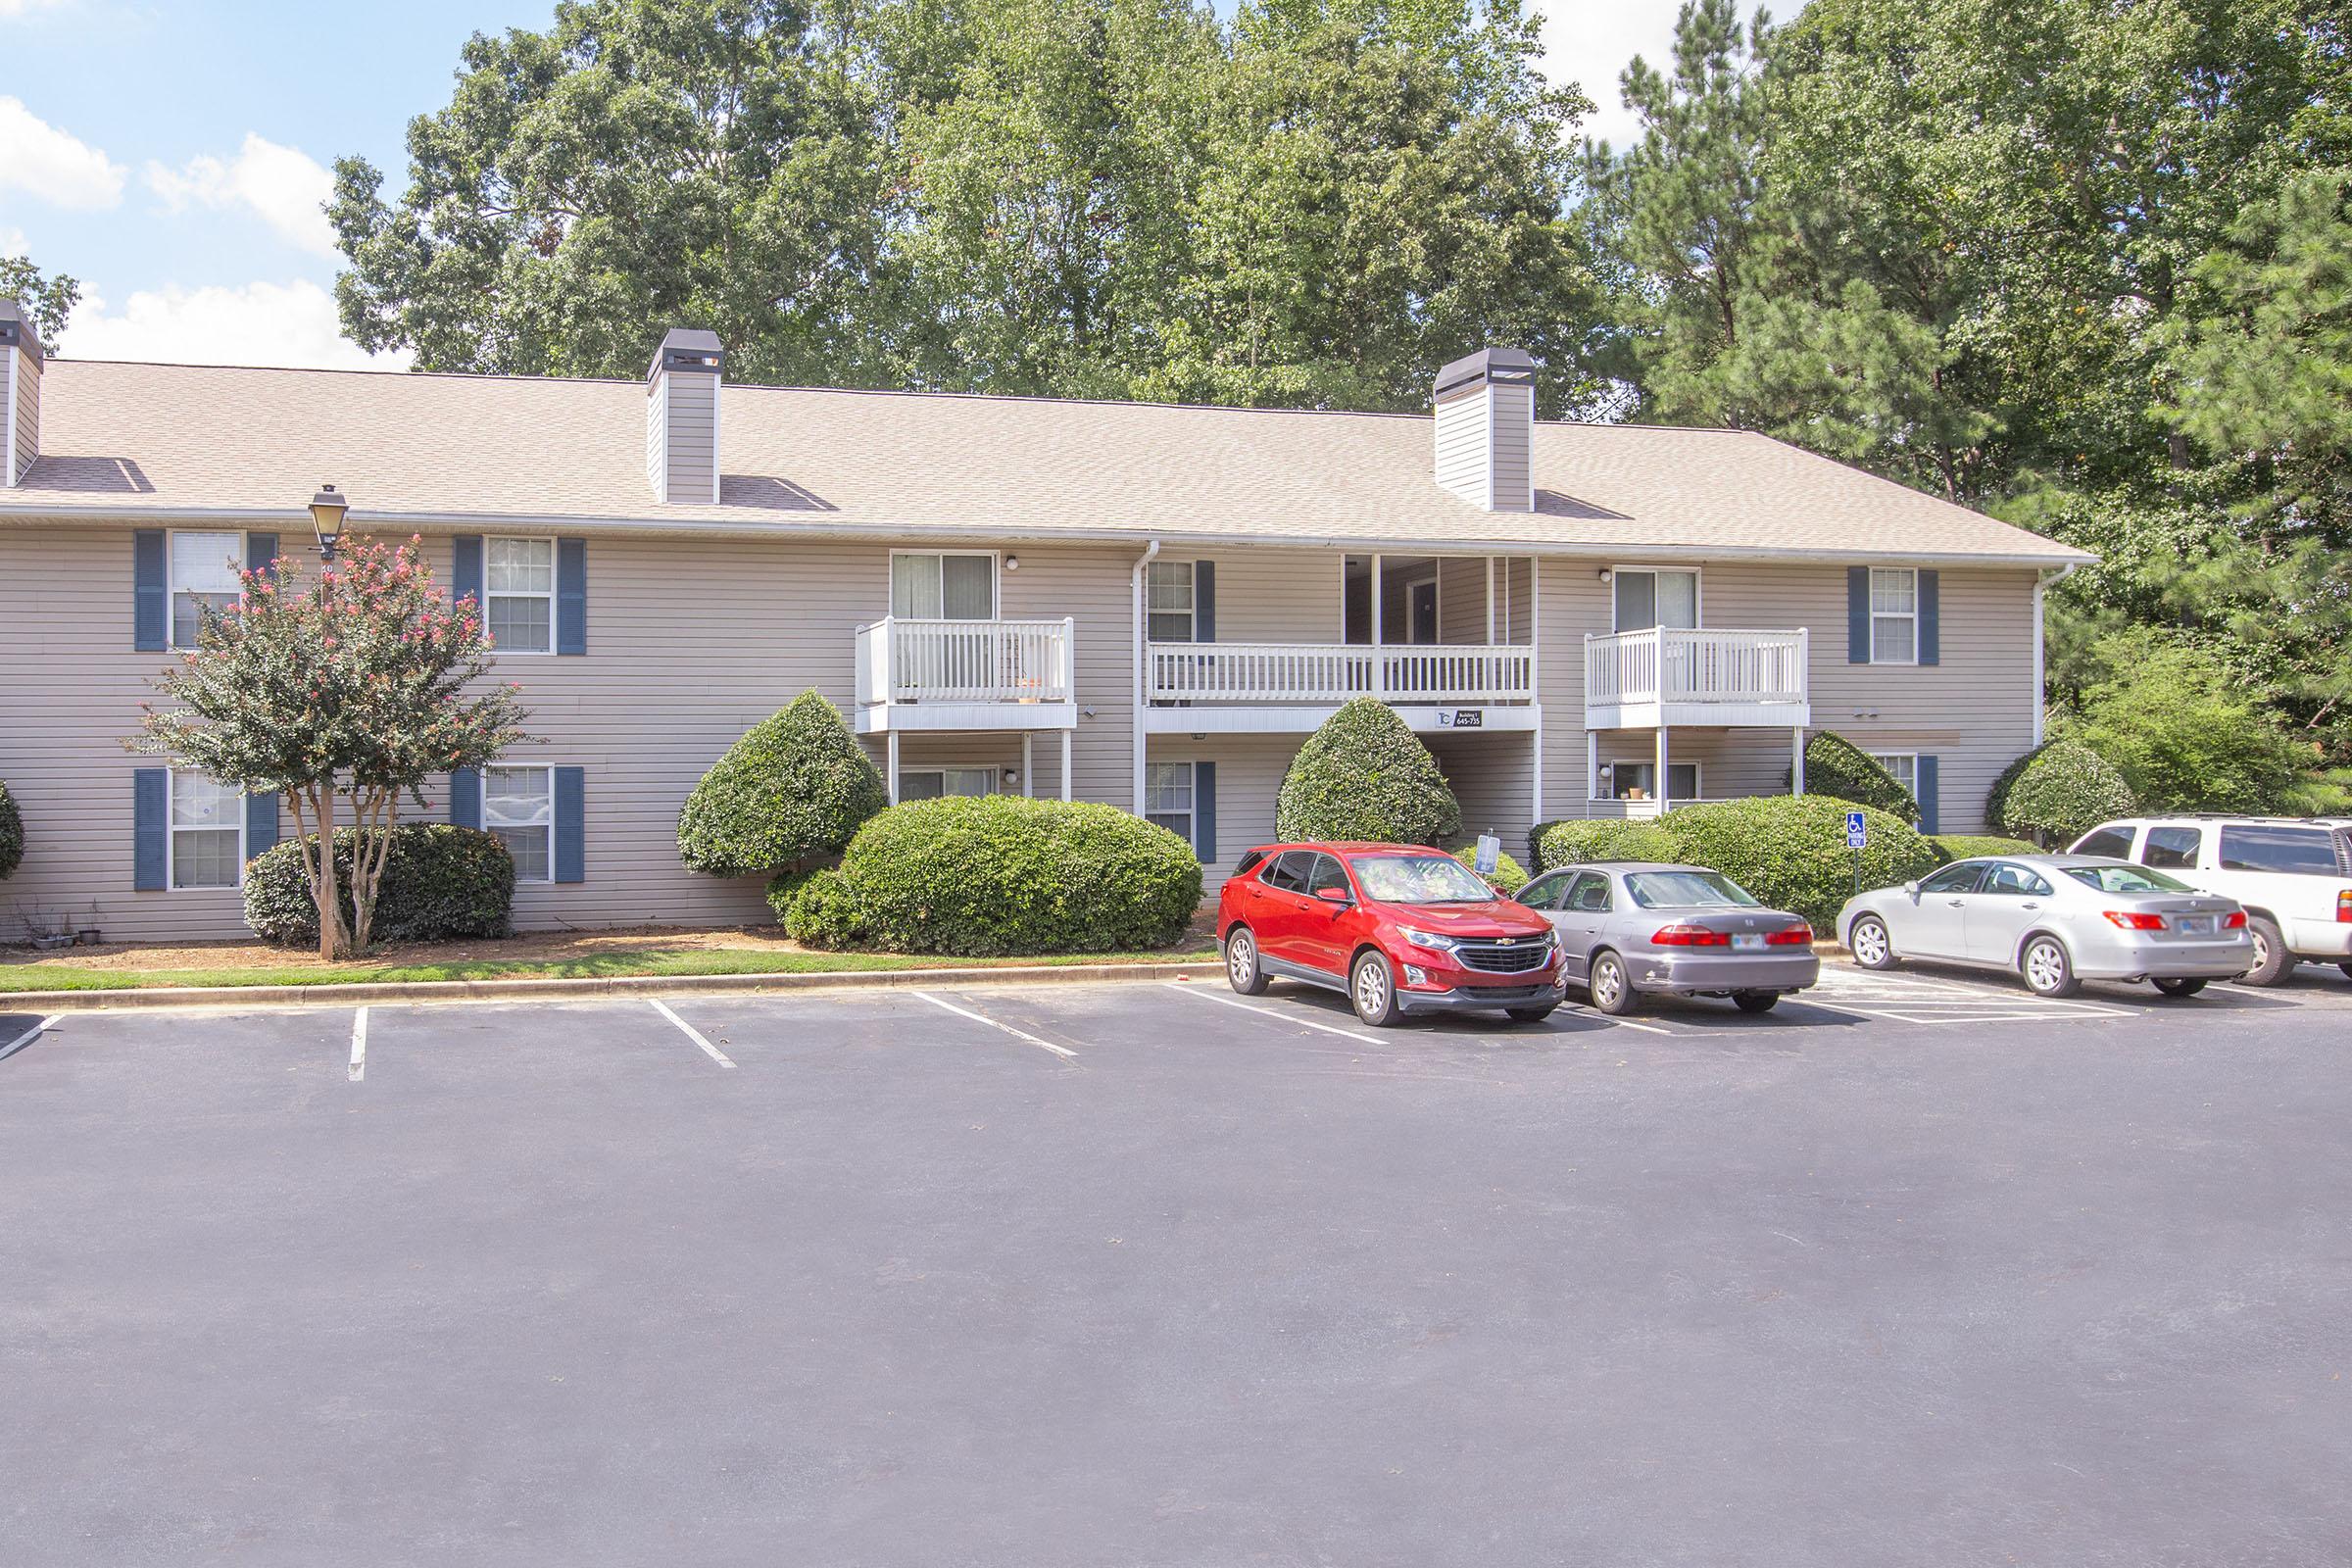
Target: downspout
x,y
1136,640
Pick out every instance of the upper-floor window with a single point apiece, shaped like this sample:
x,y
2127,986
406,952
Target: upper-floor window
x,y
1170,602
1893,616
519,578
207,831
206,575
943,585
519,807
1646,598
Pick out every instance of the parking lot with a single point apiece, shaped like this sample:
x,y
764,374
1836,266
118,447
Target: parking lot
x,y
1921,1269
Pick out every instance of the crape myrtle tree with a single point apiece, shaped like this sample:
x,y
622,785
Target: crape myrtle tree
x,y
358,683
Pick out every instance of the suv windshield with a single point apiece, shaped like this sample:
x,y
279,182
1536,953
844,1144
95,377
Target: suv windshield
x,y
1419,879
1686,890
2126,879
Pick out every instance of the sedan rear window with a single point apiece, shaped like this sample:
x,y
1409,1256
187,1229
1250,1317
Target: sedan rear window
x,y
2297,851
2126,879
1686,890
1419,879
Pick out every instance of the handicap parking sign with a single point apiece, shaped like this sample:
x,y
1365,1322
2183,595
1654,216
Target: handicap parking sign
x,y
1857,831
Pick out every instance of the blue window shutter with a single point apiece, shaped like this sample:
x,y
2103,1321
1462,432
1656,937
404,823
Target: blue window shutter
x,y
260,549
1205,602
1857,614
150,823
572,596
466,569
1930,612
1930,817
1204,811
151,619
571,854
465,797
261,823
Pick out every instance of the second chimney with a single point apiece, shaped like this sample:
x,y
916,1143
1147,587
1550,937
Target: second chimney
x,y
682,417
1486,407
20,392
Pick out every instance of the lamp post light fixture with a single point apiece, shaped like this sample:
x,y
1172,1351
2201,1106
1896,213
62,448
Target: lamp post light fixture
x,y
326,520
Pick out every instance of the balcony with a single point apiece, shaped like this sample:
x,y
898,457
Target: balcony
x,y
1669,677
964,675
1284,687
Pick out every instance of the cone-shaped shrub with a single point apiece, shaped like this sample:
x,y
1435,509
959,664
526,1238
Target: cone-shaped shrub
x,y
2056,794
1366,776
795,789
12,833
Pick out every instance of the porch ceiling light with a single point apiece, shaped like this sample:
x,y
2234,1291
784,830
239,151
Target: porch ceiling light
x,y
1606,574
326,520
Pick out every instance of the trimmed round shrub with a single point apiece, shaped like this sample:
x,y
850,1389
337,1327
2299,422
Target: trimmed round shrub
x,y
1507,877
2056,794
1967,846
1838,768
440,882
1608,838
823,912
795,789
1789,850
12,833
1366,776
784,889
996,874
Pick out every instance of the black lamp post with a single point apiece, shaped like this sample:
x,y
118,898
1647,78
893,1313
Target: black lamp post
x,y
327,519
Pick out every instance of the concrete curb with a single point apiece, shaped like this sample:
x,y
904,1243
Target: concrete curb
x,y
561,990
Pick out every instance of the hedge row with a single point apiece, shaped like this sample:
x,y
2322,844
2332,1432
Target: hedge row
x,y
12,833
439,883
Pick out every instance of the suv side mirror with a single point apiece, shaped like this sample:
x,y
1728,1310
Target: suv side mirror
x,y
1333,894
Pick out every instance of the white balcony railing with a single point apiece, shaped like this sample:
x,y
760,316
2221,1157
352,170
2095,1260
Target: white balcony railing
x,y
1333,672
963,662
1690,667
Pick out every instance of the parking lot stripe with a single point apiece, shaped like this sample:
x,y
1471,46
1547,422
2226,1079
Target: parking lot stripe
x,y
692,1033
1269,1012
1622,1023
30,1034
1022,1035
358,1044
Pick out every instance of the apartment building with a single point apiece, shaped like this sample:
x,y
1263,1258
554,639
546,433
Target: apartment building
x,y
1146,605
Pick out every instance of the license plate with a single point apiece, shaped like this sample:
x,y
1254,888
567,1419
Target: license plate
x,y
1740,940
2196,925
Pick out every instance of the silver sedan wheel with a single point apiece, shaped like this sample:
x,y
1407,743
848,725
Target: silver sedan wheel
x,y
2047,971
1872,949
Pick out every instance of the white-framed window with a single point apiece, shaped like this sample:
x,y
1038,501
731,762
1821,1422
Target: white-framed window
x,y
1644,597
1904,766
519,585
943,585
930,783
1169,797
1638,781
207,574
208,832
519,806
1170,603
1893,616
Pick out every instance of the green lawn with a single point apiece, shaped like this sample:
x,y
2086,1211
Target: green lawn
x,y
719,961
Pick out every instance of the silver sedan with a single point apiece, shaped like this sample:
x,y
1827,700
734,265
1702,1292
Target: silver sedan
x,y
2057,921
1630,927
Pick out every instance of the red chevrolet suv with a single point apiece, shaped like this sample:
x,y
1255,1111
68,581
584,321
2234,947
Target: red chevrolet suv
x,y
1398,928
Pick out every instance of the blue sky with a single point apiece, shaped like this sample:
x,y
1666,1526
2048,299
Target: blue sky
x,y
172,154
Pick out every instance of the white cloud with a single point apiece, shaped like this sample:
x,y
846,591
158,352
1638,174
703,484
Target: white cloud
x,y
259,323
26,8
44,162
284,186
1590,45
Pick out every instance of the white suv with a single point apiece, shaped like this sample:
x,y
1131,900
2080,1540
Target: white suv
x,y
2293,875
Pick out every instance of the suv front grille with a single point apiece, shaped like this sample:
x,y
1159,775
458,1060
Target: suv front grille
x,y
1528,952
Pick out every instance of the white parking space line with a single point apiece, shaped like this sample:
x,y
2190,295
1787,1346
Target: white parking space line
x,y
1022,1035
1622,1023
30,1035
358,1044
692,1033
1275,1013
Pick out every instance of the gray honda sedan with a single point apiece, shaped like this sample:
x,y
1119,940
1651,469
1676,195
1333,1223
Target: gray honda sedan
x,y
1630,927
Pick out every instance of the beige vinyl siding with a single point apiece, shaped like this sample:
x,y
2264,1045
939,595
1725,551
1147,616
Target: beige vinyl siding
x,y
681,436
1492,774
24,388
1250,773
1462,599
1269,596
1462,444
1514,432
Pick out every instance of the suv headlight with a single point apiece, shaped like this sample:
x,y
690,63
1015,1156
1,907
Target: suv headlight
x,y
1427,938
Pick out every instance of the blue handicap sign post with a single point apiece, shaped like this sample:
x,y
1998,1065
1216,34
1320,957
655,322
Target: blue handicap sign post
x,y
1857,831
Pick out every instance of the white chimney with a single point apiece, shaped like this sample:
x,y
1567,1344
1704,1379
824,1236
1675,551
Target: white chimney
x,y
1486,406
682,417
19,390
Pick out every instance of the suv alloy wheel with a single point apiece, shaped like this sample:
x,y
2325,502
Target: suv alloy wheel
x,y
1372,987
1242,970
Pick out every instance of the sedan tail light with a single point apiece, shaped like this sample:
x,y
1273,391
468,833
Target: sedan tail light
x,y
1796,936
1682,935
2235,920
2132,920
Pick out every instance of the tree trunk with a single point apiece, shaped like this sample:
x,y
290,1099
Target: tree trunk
x,y
378,812
323,889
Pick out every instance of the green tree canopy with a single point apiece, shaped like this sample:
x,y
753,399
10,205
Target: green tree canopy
x,y
49,299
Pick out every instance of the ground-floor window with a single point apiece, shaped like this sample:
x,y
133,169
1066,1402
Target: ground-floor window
x,y
1904,766
1638,781
519,807
1169,797
208,832
930,783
